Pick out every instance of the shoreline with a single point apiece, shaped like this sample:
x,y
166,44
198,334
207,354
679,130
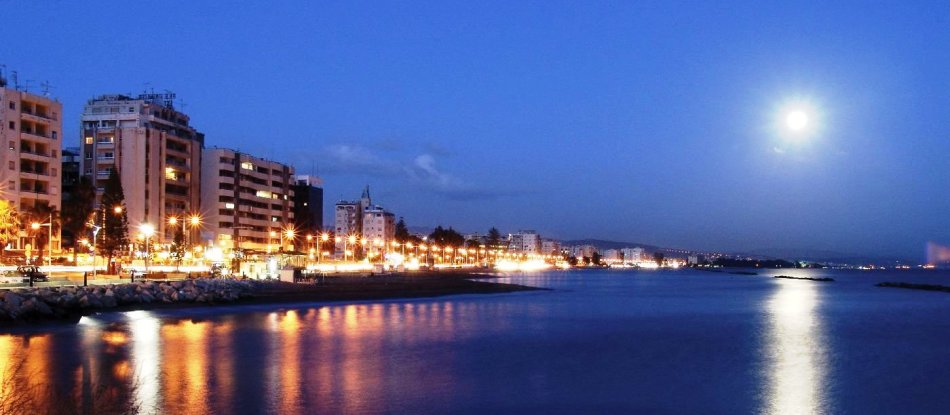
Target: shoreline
x,y
336,289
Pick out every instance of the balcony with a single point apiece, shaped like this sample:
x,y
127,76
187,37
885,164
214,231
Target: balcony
x,y
34,152
37,172
34,133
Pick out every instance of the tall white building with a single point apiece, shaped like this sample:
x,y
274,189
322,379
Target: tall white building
x,y
247,201
31,168
155,150
348,219
524,242
378,225
632,255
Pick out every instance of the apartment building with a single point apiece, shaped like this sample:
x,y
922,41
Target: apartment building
x,y
308,204
247,202
32,130
524,242
156,152
348,219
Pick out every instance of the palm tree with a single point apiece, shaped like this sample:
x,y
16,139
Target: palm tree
x,y
9,225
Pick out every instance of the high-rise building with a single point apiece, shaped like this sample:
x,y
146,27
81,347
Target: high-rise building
x,y
378,225
632,255
32,130
550,247
247,201
348,219
524,242
155,150
308,204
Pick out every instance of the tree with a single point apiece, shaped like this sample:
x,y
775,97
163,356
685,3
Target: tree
x,y
115,226
77,210
178,247
9,225
402,232
659,257
494,238
446,237
595,259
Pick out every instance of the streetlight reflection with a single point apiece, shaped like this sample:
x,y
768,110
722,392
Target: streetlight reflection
x,y
794,347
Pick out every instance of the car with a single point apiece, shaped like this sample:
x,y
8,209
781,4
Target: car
x,y
27,271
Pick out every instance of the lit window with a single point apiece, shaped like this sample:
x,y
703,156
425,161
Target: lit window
x,y
263,193
170,173
88,140
229,205
247,165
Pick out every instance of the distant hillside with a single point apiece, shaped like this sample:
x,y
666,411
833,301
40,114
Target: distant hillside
x,y
823,256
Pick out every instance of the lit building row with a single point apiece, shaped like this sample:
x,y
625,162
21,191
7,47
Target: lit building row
x,y
31,131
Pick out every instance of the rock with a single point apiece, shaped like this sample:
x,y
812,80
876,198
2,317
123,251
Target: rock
x,y
44,309
10,299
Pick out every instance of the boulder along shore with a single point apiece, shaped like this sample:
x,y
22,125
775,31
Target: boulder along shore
x,y
40,304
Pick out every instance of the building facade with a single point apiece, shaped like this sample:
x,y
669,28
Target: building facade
x,y
246,202
632,255
348,220
308,204
524,242
155,150
379,226
550,247
32,130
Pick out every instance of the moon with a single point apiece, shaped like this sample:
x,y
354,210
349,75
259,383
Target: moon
x,y
796,120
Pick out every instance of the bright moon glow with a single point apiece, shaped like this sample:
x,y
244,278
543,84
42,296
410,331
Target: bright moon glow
x,y
796,120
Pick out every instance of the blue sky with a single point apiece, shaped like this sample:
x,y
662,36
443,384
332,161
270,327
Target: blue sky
x,y
643,121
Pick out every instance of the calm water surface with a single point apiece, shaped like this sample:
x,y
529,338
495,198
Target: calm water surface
x,y
600,342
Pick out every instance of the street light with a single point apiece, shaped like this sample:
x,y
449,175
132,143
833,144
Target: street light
x,y
148,230
49,240
352,240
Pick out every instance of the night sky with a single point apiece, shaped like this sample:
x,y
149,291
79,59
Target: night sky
x,y
658,122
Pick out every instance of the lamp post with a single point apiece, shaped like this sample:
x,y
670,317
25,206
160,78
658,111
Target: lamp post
x,y
352,240
49,240
323,240
148,230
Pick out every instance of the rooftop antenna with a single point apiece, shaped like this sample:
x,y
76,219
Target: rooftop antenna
x,y
16,83
26,86
3,80
46,87
181,103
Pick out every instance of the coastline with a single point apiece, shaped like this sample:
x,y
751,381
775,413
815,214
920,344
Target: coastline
x,y
339,289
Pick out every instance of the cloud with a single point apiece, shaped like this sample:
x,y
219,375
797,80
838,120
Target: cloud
x,y
420,171
424,174
353,159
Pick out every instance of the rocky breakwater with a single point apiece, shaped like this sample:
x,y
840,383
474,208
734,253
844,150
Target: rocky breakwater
x,y
51,303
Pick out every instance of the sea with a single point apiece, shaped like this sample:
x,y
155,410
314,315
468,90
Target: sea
x,y
598,341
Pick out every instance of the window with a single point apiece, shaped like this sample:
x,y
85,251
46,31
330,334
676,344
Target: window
x,y
53,172
12,105
12,165
88,156
229,205
12,185
53,153
12,145
54,135
12,125
247,165
88,140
